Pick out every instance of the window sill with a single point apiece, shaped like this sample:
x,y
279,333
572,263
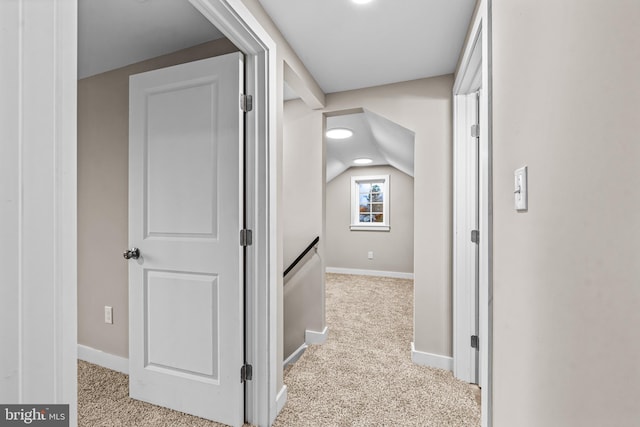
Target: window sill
x,y
360,227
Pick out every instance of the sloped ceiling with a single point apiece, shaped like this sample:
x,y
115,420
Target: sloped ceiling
x,y
115,33
374,137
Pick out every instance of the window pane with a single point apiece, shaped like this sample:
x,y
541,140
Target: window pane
x,y
377,197
375,188
376,207
364,208
377,218
364,199
364,188
365,218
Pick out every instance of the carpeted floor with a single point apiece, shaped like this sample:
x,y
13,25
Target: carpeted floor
x,y
103,401
362,375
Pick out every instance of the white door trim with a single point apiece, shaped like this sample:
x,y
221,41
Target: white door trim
x,y
52,124
239,25
464,251
481,31
38,253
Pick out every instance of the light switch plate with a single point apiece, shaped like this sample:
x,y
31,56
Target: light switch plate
x,y
520,192
108,314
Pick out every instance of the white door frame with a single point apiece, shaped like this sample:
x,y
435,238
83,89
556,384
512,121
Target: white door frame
x,y
465,205
40,250
480,36
38,169
238,24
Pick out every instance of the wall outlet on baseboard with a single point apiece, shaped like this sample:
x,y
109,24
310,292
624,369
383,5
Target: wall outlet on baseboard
x,y
370,255
108,314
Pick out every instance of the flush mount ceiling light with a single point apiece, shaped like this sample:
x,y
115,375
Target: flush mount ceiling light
x,y
361,1
339,133
362,161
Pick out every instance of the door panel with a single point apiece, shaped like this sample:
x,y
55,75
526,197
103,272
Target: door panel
x,y
186,314
181,161
186,340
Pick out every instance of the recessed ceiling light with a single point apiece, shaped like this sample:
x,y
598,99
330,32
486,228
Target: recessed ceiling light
x,y
362,161
339,133
361,1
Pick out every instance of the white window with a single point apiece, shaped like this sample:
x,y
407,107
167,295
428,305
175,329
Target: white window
x,y
370,203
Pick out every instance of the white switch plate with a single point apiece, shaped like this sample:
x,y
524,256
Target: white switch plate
x,y
370,255
520,189
108,314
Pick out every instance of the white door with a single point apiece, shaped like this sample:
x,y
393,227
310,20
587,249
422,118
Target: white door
x,y
186,343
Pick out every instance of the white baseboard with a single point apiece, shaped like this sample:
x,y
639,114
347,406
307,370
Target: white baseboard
x,y
281,399
359,272
295,355
313,337
432,360
101,358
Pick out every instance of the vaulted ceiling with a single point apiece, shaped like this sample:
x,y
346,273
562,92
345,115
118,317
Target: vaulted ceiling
x,y
115,33
374,137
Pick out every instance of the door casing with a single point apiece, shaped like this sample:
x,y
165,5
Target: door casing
x,y
465,263
479,42
237,23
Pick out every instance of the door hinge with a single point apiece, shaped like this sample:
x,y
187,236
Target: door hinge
x,y
475,236
246,373
246,237
246,103
475,342
475,131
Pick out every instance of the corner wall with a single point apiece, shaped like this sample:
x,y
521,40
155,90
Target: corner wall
x,y
566,274
393,249
103,152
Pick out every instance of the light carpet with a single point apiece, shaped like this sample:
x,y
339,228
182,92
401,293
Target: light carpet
x,y
362,375
103,401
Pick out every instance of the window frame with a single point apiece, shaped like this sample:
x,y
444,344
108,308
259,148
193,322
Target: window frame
x,y
356,225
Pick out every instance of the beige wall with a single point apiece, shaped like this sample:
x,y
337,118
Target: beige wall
x,y
302,189
566,97
392,250
303,307
423,106
303,181
103,150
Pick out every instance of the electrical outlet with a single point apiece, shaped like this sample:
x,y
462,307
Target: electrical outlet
x,y
108,314
370,255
